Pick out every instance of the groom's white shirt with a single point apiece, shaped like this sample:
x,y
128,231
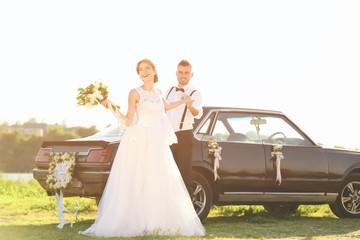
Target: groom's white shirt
x,y
175,114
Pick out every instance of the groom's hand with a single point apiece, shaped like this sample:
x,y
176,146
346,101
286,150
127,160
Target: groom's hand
x,y
189,101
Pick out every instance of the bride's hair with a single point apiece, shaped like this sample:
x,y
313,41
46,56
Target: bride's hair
x,y
156,77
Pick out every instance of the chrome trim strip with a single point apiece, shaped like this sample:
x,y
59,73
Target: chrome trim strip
x,y
296,193
332,194
47,148
97,173
282,193
83,153
243,193
258,197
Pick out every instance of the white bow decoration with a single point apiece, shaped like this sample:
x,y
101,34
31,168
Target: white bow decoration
x,y
279,157
60,206
215,149
217,159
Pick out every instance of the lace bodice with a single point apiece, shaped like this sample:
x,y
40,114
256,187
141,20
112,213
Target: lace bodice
x,y
150,108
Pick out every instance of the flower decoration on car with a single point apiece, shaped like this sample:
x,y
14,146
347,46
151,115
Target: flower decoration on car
x,y
278,157
61,168
93,94
215,149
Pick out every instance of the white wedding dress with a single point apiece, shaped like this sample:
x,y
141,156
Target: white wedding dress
x,y
145,193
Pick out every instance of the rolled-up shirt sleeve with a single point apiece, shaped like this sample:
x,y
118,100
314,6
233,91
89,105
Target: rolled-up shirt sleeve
x,y
198,104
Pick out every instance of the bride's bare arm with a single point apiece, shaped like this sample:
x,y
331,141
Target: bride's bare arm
x,y
168,106
132,100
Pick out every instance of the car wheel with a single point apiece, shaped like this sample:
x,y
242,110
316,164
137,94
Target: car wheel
x,y
347,204
281,208
202,196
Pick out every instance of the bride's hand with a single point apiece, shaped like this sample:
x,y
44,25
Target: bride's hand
x,y
105,103
188,99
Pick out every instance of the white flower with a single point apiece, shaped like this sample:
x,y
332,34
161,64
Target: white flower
x,y
92,97
48,180
98,85
89,105
98,95
65,156
57,185
277,147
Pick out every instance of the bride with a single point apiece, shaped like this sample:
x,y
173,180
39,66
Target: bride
x,y
145,193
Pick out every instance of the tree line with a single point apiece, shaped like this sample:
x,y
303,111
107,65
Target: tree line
x,y
18,151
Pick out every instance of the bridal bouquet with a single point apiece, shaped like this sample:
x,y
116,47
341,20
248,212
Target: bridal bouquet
x,y
92,95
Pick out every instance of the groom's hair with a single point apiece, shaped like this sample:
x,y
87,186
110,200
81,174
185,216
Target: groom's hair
x,y
185,63
156,77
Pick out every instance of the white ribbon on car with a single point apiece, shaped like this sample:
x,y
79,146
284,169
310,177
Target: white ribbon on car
x,y
217,159
279,156
60,206
117,115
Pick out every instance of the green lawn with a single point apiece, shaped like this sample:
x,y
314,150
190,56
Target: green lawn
x,y
26,212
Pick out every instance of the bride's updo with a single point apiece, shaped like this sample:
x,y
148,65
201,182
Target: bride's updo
x,y
156,78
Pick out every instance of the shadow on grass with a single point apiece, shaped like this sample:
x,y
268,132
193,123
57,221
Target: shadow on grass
x,y
46,231
51,232
264,225
259,225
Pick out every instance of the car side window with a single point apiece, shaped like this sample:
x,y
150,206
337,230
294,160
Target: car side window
x,y
220,132
276,130
205,128
235,127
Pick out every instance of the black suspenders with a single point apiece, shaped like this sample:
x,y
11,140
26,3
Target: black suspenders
x,y
185,109
169,92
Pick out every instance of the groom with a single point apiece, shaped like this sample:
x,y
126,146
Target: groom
x,y
182,120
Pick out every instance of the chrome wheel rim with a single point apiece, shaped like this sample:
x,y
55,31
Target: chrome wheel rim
x,y
199,197
350,197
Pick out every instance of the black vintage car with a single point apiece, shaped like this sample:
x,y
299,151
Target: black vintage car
x,y
310,174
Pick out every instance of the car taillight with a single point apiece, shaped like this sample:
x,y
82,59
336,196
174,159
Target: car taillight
x,y
98,156
43,155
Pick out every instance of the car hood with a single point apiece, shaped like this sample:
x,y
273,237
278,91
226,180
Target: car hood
x,y
341,150
96,138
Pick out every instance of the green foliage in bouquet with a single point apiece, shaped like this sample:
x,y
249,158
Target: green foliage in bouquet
x,y
93,94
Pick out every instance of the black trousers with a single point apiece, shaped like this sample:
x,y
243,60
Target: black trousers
x,y
183,152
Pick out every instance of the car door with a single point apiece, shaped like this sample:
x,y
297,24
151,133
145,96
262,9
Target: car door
x,y
304,167
242,168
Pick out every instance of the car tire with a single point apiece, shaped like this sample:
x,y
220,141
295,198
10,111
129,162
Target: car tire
x,y
202,195
347,204
281,208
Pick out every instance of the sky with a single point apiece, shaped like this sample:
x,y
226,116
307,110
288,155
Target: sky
x,y
298,57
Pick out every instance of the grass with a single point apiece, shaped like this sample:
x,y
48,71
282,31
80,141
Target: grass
x,y
26,212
